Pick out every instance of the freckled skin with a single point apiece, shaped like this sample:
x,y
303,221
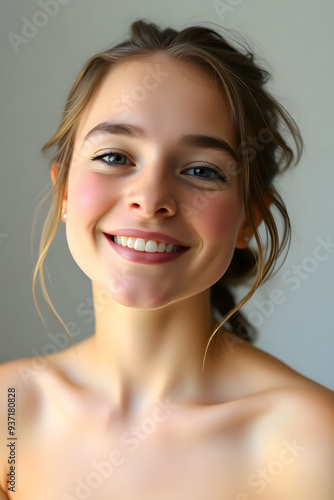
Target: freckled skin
x,y
128,412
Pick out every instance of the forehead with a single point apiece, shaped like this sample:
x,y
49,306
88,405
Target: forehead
x,y
167,96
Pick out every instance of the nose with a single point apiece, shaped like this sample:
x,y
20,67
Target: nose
x,y
152,194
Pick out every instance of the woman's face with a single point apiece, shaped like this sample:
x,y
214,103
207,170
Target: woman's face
x,y
189,191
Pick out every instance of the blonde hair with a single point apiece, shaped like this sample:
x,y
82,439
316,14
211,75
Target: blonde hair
x,y
255,114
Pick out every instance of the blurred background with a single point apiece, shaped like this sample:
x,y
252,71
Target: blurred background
x,y
44,45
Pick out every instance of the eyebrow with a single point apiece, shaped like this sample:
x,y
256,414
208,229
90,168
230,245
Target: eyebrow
x,y
194,140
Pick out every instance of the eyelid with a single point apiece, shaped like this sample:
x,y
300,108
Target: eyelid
x,y
220,173
100,155
108,151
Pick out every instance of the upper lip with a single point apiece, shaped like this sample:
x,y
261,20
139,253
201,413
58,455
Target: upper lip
x,y
136,233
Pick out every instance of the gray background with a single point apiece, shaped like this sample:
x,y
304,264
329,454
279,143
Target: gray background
x,y
297,40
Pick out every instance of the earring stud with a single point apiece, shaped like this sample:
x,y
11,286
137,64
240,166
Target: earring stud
x,y
64,215
246,238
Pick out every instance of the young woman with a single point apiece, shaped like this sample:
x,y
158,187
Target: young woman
x,y
164,170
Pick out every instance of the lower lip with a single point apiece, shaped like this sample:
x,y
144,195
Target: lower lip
x,y
145,257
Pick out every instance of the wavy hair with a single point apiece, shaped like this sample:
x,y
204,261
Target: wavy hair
x,y
262,127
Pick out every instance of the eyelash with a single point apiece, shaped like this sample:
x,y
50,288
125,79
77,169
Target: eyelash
x,y
220,175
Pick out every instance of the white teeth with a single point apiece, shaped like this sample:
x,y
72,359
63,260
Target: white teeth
x,y
142,245
151,246
131,242
161,247
139,244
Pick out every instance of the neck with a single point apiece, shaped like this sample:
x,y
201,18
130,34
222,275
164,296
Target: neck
x,y
145,355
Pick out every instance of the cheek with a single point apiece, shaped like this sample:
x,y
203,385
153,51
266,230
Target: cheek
x,y
220,218
88,195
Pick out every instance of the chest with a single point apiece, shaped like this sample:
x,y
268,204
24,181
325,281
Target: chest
x,y
150,460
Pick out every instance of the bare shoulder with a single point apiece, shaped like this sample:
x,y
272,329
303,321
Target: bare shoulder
x,y
22,396
297,428
27,378
259,371
15,396
23,376
304,418
294,398
32,379
19,390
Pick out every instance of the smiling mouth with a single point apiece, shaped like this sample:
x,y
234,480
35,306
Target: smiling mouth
x,y
141,245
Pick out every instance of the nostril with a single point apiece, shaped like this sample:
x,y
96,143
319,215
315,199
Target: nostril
x,y
160,210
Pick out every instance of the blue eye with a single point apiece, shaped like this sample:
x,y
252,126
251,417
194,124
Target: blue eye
x,y
207,173
203,172
105,158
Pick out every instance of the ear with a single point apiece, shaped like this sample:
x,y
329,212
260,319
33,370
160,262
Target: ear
x,y
246,231
54,170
